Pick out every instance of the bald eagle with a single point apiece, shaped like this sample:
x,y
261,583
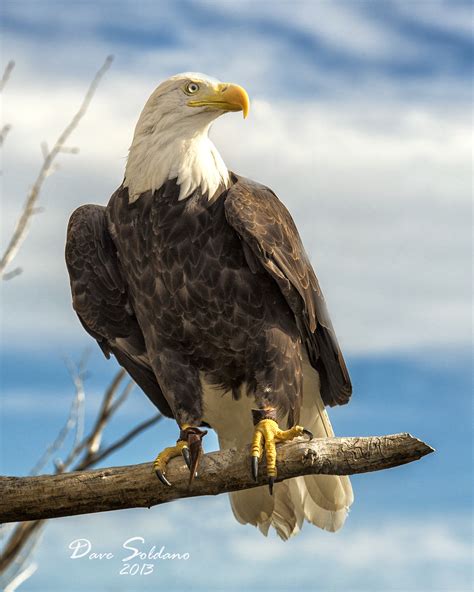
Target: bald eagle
x,y
196,280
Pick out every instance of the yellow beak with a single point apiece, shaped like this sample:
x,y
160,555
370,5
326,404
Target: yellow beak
x,y
225,97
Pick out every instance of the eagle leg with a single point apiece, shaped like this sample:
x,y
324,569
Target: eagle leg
x,y
189,446
266,435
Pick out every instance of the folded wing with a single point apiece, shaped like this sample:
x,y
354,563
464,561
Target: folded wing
x,y
271,240
100,298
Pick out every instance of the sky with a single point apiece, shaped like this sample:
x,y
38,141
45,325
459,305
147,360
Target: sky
x,y
359,118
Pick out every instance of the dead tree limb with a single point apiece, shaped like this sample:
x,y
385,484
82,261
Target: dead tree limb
x,y
6,74
68,494
3,81
83,456
47,167
24,531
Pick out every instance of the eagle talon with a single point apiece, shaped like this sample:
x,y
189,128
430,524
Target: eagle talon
x,y
194,438
187,457
271,481
162,478
266,435
189,446
255,468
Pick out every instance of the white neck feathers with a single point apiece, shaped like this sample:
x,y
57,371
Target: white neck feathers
x,y
160,152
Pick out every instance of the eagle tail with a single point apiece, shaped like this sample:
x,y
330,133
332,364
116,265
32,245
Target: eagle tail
x,y
322,500
326,498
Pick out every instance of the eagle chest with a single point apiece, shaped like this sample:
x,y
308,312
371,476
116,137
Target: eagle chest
x,y
188,275
198,256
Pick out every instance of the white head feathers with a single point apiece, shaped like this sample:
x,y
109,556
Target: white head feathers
x,y
171,137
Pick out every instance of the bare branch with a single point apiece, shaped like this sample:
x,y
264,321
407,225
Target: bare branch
x,y
21,540
26,498
44,149
75,419
77,375
25,531
21,577
59,440
121,399
92,442
101,454
4,132
9,275
46,168
6,74
104,418
70,150
18,540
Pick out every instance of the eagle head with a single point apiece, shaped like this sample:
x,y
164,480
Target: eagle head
x,y
197,96
171,137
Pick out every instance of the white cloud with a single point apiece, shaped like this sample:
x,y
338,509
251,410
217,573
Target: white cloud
x,y
343,26
410,554
457,19
416,554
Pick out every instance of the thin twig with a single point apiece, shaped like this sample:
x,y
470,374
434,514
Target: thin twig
x,y
95,439
6,74
77,375
14,550
58,442
23,531
46,168
4,132
25,535
119,443
75,419
22,534
9,275
108,410
100,423
120,399
21,577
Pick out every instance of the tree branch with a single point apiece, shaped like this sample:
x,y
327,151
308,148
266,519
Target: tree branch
x,y
6,74
47,167
23,533
68,494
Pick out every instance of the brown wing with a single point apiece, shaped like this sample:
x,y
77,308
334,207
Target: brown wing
x,y
271,240
99,297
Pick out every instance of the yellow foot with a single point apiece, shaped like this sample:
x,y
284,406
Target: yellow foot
x,y
189,446
266,435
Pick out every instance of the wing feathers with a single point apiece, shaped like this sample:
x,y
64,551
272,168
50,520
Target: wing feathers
x,y
101,301
271,240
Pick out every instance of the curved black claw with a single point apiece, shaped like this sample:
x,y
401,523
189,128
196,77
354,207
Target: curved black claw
x,y
162,478
308,433
193,437
271,481
255,468
187,457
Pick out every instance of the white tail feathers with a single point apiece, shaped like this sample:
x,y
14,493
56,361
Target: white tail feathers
x,y
326,498
322,500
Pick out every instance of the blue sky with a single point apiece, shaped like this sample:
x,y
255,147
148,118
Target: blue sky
x,y
358,122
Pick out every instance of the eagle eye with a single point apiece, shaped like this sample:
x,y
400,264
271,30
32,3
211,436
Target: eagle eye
x,y
191,88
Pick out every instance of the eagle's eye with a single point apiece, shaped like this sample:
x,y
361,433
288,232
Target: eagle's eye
x,y
191,88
